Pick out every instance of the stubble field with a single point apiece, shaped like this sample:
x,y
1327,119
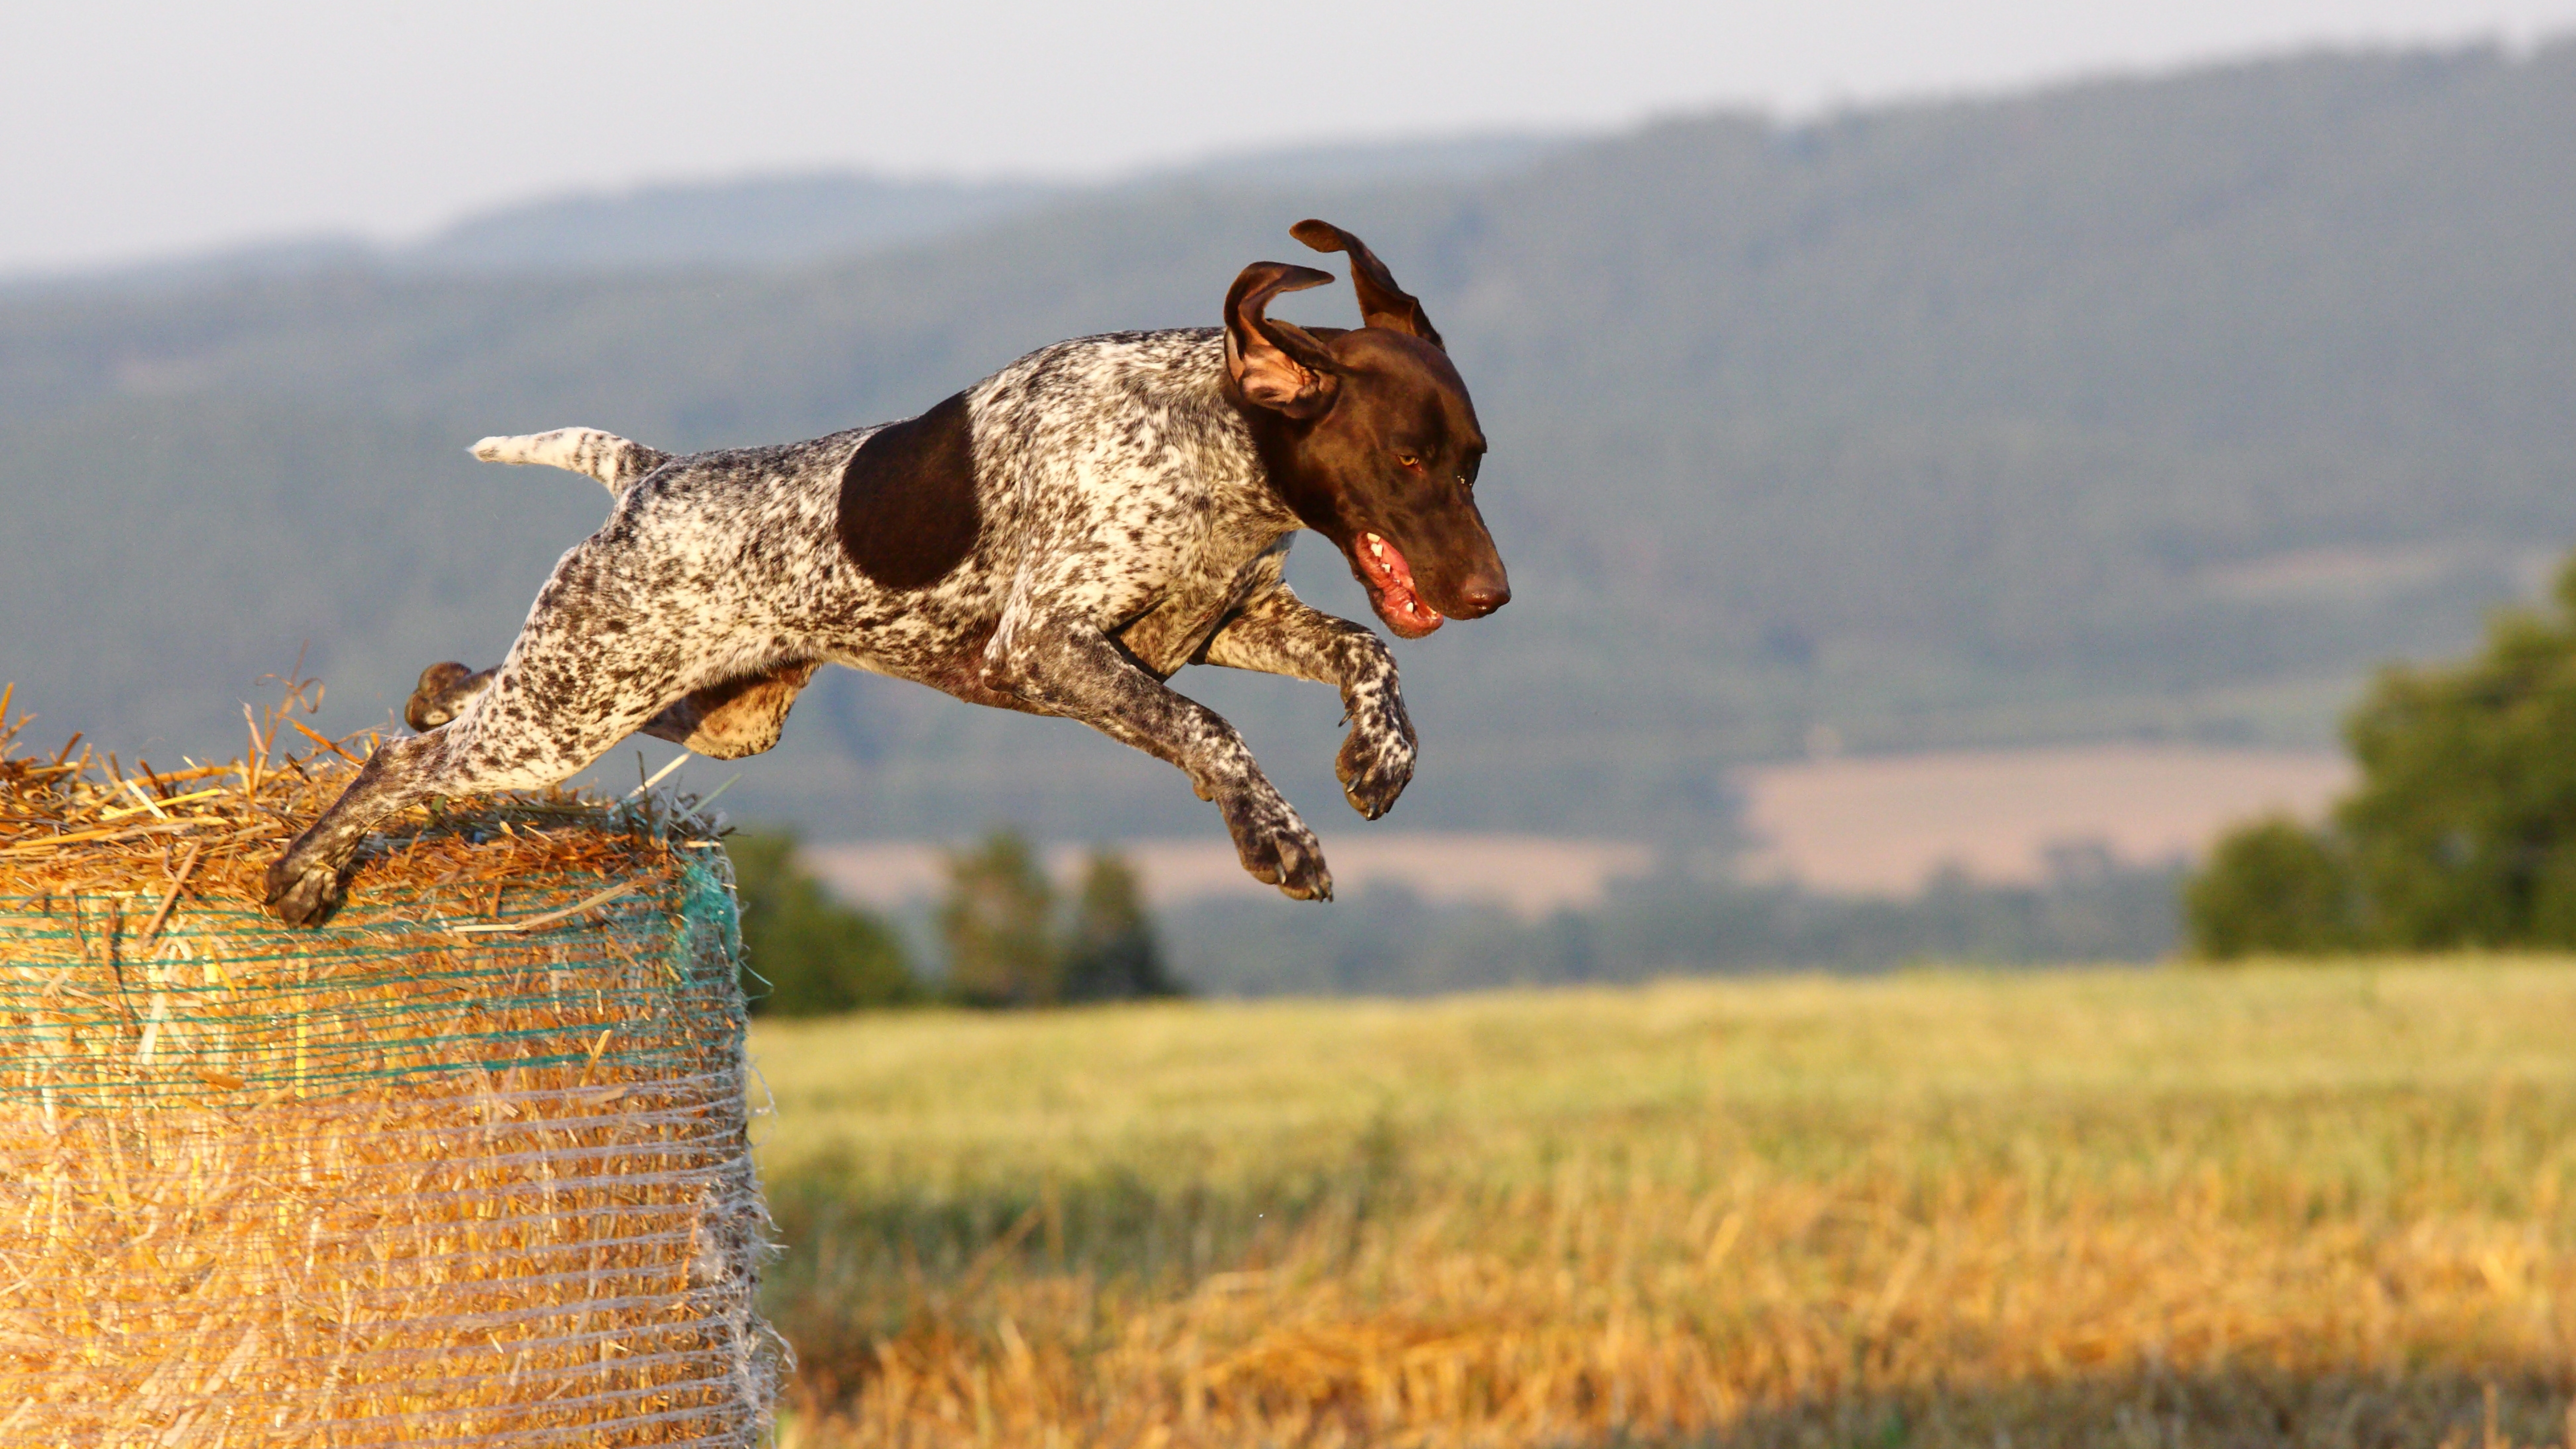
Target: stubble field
x,y
2302,1205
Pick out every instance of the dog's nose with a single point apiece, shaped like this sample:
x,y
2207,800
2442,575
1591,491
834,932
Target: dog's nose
x,y
1484,594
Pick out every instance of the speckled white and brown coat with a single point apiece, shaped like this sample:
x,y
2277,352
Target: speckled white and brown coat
x,y
1058,538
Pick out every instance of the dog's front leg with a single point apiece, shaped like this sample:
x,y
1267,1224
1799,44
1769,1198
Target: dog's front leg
x,y
1279,633
1070,668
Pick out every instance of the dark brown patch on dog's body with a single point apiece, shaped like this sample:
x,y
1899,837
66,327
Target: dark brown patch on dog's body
x,y
908,513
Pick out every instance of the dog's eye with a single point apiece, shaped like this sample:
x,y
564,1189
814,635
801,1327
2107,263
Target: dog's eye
x,y
1410,461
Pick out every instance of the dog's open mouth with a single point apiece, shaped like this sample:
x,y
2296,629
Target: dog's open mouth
x,y
1389,581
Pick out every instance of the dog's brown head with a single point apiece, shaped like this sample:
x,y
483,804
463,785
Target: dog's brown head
x,y
1370,436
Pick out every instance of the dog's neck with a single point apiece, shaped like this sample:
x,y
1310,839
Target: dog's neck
x,y
1165,397
1230,436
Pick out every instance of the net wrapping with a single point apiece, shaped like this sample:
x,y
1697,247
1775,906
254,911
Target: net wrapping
x,y
468,1166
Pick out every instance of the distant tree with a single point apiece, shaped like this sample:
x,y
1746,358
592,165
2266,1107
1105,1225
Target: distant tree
x,y
817,955
2462,831
2272,888
998,922
1112,953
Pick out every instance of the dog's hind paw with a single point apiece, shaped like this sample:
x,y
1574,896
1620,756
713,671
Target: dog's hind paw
x,y
1278,849
441,694
306,895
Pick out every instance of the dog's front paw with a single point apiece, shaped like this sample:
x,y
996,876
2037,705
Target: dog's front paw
x,y
1375,764
303,893
1277,847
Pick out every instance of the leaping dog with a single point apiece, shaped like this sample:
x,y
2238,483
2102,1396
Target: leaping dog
x,y
1059,538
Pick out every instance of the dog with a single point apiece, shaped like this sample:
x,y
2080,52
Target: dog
x,y
1060,538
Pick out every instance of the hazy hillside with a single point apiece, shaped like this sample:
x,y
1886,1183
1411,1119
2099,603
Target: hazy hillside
x,y
762,221
785,220
2134,408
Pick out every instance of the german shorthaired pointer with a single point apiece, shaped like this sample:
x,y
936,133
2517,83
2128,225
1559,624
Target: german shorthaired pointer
x,y
1059,538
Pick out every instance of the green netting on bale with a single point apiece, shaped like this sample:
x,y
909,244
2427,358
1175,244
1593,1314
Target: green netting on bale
x,y
227,993
468,1166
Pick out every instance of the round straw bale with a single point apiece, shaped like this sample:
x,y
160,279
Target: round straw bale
x,y
468,1166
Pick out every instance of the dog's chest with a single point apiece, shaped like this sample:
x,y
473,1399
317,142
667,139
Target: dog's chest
x,y
1177,619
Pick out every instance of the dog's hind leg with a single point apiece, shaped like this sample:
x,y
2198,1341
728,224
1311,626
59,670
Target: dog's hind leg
x,y
594,664
736,718
441,694
721,721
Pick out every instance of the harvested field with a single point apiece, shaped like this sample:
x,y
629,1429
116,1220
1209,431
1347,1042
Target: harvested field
x,y
2315,1206
1881,824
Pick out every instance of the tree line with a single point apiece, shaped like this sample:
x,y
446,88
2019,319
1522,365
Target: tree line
x,y
1010,942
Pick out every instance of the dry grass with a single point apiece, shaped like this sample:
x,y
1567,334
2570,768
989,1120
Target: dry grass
x,y
2306,1206
466,1167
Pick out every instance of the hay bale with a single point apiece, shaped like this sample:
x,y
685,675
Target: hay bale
x,y
467,1166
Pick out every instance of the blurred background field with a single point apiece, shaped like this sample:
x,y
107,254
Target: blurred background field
x,y
2304,1205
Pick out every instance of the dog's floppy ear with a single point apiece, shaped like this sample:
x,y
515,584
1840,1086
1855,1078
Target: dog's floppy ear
x,y
1279,365
1382,302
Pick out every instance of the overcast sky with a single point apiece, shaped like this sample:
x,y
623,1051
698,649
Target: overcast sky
x,y
134,131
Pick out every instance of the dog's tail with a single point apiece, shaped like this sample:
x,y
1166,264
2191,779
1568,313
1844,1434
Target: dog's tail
x,y
607,457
